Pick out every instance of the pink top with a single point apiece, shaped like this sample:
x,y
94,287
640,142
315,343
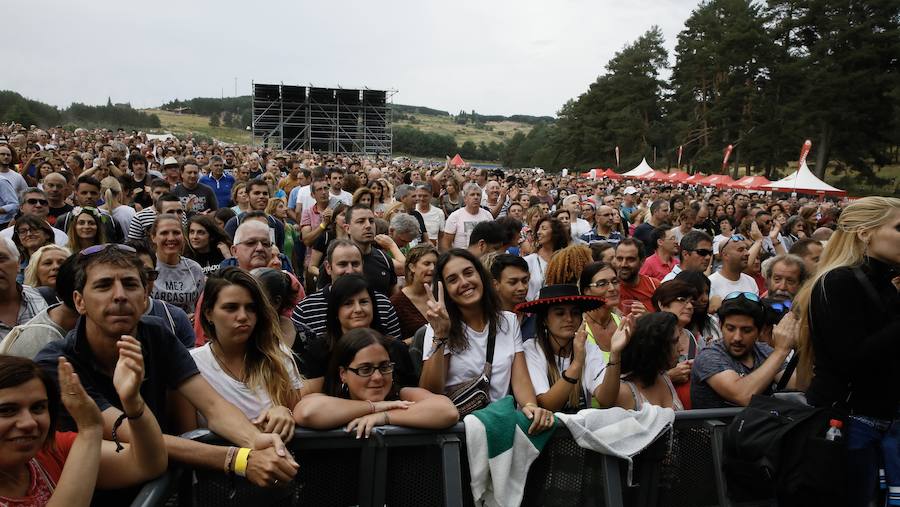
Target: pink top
x,y
654,266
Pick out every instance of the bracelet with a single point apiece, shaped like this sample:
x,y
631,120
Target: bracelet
x,y
371,405
229,460
139,414
568,378
613,364
240,462
115,430
530,404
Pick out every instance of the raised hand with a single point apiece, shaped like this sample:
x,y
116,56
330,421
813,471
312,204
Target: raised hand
x,y
437,314
129,372
80,406
776,229
622,335
578,343
755,233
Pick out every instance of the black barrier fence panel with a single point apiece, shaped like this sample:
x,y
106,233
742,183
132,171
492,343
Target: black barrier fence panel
x,y
400,467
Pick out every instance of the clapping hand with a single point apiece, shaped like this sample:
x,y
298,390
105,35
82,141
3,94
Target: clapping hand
x,y
578,343
129,374
622,335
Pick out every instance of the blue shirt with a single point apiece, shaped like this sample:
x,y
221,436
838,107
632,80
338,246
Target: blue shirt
x,y
9,201
221,187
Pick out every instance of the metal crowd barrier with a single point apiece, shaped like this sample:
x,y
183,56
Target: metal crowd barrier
x,y
408,467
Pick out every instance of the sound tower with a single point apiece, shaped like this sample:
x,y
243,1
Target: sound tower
x,y
296,126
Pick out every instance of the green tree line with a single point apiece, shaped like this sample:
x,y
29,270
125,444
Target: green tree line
x,y
16,108
762,77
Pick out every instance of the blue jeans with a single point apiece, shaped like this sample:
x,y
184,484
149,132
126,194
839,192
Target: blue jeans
x,y
871,444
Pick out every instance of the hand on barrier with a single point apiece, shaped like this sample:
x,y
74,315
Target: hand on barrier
x,y
277,420
541,418
269,462
384,406
364,425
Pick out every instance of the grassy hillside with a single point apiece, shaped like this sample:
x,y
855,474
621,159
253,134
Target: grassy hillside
x,y
492,131
184,123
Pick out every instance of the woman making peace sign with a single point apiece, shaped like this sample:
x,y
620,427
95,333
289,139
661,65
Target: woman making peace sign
x,y
462,318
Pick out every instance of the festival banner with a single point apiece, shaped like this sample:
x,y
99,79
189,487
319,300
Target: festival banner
x,y
727,154
680,151
617,156
804,151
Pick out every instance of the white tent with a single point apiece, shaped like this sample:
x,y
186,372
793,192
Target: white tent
x,y
803,181
642,169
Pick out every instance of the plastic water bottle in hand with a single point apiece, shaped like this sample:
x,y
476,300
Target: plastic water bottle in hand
x,y
834,430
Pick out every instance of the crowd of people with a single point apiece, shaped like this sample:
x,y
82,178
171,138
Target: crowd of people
x,y
153,285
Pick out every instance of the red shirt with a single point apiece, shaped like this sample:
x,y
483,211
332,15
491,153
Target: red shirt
x,y
642,292
46,466
655,267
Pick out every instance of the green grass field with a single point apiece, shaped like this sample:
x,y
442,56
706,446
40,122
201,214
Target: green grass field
x,y
502,131
193,123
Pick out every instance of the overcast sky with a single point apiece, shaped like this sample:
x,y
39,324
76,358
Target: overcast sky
x,y
496,57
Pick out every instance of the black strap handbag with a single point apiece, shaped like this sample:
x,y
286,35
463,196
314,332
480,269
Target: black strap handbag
x,y
475,393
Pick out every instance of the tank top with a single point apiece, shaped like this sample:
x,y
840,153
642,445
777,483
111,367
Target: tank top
x,y
639,398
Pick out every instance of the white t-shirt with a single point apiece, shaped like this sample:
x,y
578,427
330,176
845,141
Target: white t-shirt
x,y
536,268
251,402
345,197
123,215
59,237
579,226
304,197
721,286
434,221
538,368
594,366
460,223
469,363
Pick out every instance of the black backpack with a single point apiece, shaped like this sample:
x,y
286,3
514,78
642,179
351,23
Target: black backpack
x,y
776,449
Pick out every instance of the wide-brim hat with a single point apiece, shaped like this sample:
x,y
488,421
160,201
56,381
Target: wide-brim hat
x,y
561,294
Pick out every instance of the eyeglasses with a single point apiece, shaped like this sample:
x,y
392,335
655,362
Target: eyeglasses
x,y
253,242
702,252
34,201
28,231
603,283
367,370
736,237
91,250
684,300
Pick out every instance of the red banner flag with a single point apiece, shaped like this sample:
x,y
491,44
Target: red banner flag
x,y
617,156
804,151
680,151
727,154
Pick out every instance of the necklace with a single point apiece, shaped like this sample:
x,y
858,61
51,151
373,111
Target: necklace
x,y
601,325
224,366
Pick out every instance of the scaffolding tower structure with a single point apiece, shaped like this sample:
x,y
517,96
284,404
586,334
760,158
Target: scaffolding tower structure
x,y
333,120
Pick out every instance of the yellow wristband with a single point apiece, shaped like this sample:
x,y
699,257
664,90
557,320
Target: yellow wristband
x,y
240,462
322,226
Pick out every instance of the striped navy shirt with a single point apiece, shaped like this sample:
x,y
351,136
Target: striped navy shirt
x,y
313,309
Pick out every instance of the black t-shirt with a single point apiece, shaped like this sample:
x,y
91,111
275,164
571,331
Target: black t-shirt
x,y
209,261
62,210
167,364
205,198
379,271
314,361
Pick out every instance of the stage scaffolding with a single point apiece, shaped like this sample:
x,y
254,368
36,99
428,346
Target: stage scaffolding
x,y
334,120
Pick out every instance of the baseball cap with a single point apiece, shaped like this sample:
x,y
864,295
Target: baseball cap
x,y
170,161
630,190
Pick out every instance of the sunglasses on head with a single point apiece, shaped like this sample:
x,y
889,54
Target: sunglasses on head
x,y
91,250
735,237
746,295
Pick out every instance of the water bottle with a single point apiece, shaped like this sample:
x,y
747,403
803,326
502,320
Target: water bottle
x,y
834,430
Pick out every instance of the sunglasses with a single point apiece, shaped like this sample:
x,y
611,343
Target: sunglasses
x,y
746,295
781,306
736,237
91,250
34,201
703,252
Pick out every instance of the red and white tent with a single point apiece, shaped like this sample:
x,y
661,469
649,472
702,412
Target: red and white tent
x,y
609,173
695,178
457,161
803,181
750,183
642,169
677,177
717,180
654,175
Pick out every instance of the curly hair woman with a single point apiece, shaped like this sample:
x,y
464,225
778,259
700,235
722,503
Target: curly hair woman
x,y
565,267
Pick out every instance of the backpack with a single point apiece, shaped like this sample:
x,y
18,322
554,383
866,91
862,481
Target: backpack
x,y
776,448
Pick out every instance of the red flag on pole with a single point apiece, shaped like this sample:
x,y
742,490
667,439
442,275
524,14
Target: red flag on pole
x,y
727,154
617,156
804,151
680,151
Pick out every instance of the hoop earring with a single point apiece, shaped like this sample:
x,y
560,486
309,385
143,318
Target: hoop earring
x,y
345,391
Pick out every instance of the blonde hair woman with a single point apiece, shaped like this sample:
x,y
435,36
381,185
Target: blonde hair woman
x,y
44,265
848,346
113,202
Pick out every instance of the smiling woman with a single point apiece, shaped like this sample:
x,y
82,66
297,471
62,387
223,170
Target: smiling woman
x,y
180,279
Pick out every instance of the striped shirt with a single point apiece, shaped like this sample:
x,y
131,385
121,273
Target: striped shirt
x,y
312,312
141,223
32,303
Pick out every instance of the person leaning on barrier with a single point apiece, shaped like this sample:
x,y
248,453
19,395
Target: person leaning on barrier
x,y
463,313
730,371
640,353
41,465
244,359
360,391
557,355
111,296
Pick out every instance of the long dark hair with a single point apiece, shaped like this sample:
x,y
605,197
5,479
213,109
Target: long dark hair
x,y
649,352
490,301
557,232
15,371
345,349
702,285
216,235
265,361
342,290
542,335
